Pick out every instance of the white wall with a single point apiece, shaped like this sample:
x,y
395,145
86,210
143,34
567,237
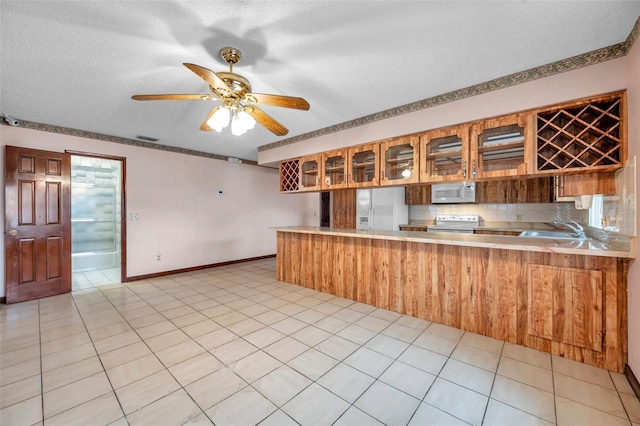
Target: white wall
x,y
633,97
181,215
594,80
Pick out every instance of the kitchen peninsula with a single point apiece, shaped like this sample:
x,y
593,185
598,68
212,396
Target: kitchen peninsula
x,y
565,297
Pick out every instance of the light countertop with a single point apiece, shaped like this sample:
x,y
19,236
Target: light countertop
x,y
500,226
589,247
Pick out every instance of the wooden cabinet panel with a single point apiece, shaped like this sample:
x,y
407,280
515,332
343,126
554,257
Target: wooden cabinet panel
x,y
501,146
334,169
574,306
582,136
310,173
565,305
417,195
515,191
399,161
344,208
364,166
290,175
589,134
488,232
584,184
444,154
413,228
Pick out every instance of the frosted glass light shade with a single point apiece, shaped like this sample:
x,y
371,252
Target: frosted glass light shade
x,y
220,119
241,123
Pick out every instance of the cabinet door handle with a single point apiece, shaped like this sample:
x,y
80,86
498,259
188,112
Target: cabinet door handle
x,y
464,169
473,172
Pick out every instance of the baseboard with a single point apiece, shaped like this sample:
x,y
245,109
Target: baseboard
x,y
195,268
633,380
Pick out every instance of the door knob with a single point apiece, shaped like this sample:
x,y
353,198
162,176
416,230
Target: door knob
x,y
13,232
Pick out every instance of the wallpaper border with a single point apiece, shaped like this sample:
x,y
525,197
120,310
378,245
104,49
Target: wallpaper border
x,y
586,59
564,65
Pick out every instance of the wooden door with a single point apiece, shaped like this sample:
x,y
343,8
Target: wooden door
x,y
37,224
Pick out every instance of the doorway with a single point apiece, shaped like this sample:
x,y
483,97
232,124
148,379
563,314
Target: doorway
x,y
97,227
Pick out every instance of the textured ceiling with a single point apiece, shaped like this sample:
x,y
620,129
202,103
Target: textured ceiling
x,y
76,64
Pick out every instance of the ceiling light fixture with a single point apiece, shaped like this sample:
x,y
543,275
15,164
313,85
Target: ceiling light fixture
x,y
234,91
234,113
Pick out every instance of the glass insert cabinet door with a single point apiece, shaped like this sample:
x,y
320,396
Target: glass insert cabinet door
x,y
335,169
399,158
502,146
364,165
445,155
310,173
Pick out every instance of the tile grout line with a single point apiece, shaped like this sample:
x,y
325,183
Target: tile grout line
x,y
104,370
493,382
41,367
245,284
154,354
624,407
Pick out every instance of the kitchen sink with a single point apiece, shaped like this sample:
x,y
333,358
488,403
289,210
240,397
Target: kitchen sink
x,y
551,234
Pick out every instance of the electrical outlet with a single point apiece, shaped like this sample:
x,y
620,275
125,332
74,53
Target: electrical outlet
x,y
159,257
518,217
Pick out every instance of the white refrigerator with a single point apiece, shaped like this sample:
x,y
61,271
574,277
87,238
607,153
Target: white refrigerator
x,y
381,209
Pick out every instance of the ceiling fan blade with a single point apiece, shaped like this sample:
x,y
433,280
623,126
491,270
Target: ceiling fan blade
x,y
268,122
204,126
209,76
194,97
279,101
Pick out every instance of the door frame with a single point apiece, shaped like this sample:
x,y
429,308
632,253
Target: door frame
x,y
123,206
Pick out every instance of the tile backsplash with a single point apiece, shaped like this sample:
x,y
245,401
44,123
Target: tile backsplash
x,y
619,211
542,212
616,213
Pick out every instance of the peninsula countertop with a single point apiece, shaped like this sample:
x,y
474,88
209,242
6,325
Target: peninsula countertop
x,y
588,247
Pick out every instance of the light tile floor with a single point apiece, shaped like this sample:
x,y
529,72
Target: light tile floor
x,y
97,278
234,346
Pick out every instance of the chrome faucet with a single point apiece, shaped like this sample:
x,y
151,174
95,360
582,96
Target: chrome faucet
x,y
574,226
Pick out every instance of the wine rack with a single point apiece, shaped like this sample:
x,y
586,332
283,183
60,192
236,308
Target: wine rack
x,y
289,175
581,136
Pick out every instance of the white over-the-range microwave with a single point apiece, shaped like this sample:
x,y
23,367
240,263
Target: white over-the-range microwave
x,y
452,193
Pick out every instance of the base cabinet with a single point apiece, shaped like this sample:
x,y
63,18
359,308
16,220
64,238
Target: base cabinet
x,y
573,306
565,305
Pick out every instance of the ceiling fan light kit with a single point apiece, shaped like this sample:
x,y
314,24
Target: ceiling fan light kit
x,y
235,93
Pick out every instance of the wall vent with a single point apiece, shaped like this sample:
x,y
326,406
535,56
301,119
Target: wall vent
x,y
147,138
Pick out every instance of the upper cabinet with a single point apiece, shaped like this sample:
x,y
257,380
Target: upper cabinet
x,y
444,154
399,161
334,168
310,173
501,147
364,166
290,175
587,136
582,135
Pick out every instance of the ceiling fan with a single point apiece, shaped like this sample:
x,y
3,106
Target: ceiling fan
x,y
238,102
